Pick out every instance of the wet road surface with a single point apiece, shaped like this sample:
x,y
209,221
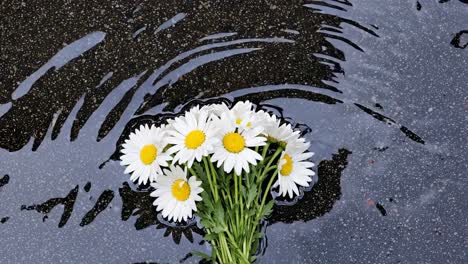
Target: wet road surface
x,y
379,89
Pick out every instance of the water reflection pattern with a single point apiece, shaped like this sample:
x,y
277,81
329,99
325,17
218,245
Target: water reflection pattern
x,y
99,76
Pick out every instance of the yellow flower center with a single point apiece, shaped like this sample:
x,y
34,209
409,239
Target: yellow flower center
x,y
233,142
287,167
181,190
194,139
239,121
148,154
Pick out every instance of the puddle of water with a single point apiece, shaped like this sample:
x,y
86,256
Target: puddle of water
x,y
380,90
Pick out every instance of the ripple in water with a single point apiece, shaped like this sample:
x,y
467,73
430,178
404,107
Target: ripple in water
x,y
101,73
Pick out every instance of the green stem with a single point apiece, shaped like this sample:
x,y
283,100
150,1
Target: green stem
x,y
267,191
236,196
234,243
265,149
213,186
266,169
191,171
214,174
241,201
227,197
277,152
242,220
265,172
225,247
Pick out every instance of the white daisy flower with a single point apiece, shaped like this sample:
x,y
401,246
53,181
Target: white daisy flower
x,y
253,119
277,133
195,110
143,154
243,114
216,109
294,169
165,128
192,137
240,112
242,107
168,124
176,196
233,148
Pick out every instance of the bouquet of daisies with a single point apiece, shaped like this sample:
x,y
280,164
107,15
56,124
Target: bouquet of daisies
x,y
221,163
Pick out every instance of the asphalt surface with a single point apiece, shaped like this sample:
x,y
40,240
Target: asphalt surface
x,y
379,89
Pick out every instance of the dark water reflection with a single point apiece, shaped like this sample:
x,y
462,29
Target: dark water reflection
x,y
380,90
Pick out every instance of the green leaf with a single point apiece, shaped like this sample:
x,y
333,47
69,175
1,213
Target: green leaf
x,y
218,229
219,213
207,201
268,208
199,171
252,212
220,172
243,192
210,237
251,195
227,178
207,223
